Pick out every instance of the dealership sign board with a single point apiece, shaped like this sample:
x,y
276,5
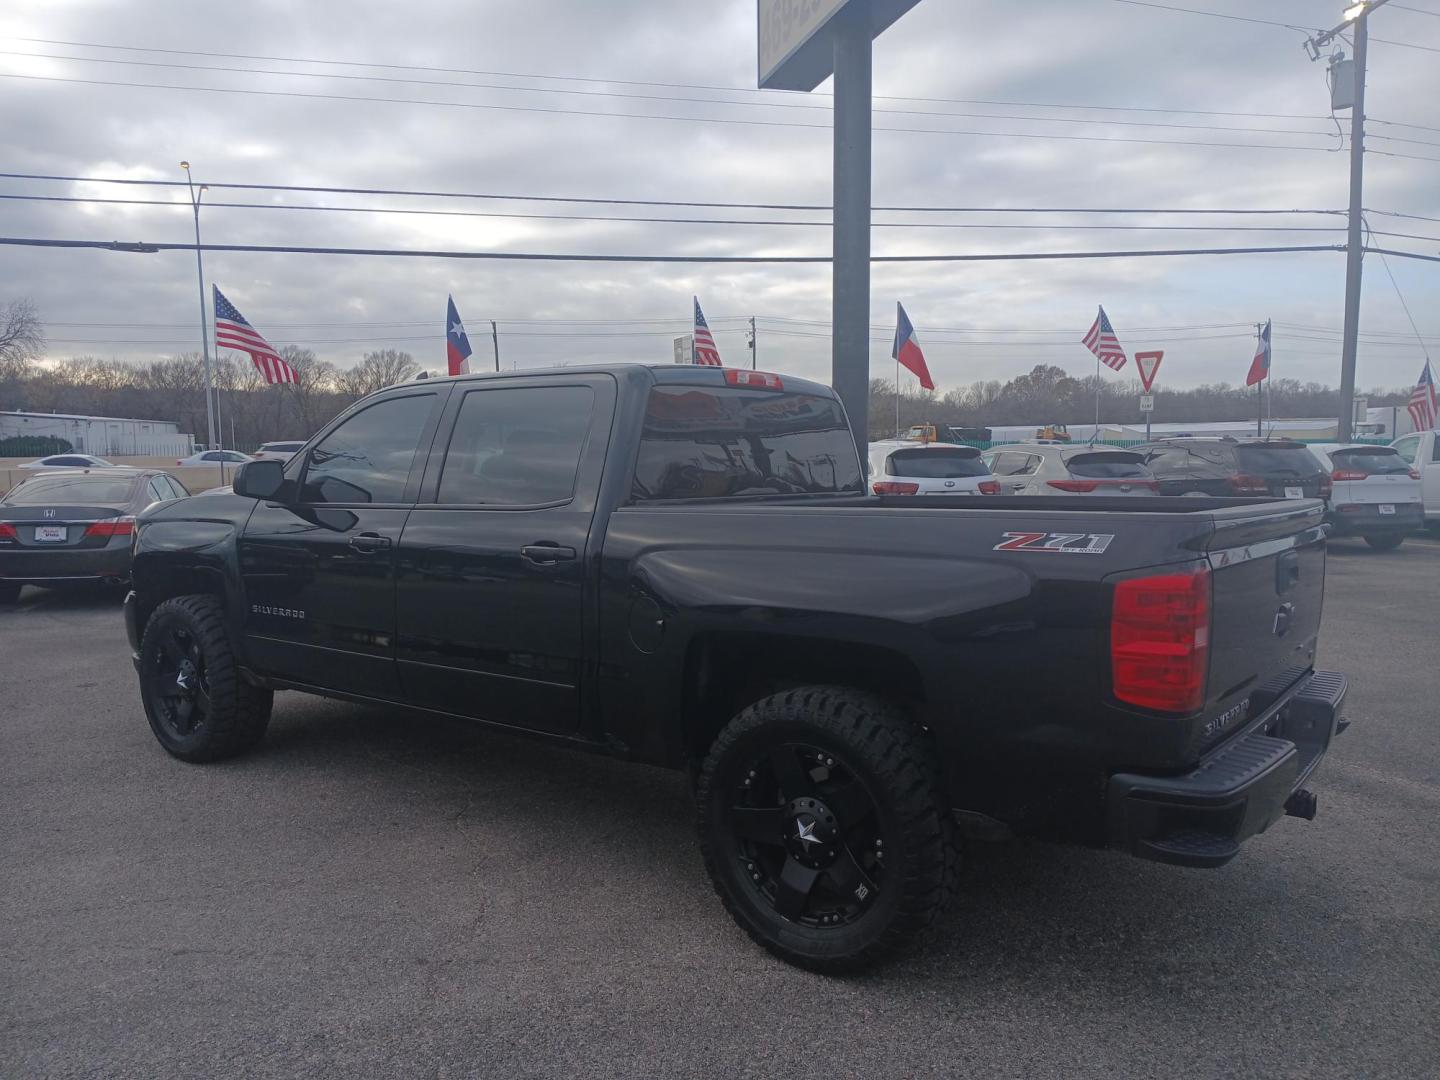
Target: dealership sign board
x,y
795,47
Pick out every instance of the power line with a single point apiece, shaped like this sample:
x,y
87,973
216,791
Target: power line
x,y
1414,10
316,189
1404,254
530,256
764,104
671,220
1207,144
1212,14
1398,214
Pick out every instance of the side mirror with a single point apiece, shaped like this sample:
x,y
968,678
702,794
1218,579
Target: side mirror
x,y
259,479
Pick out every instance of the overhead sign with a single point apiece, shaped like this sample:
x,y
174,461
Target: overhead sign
x,y
1148,363
1147,403
795,51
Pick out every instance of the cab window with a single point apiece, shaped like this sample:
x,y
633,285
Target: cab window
x,y
367,458
1407,448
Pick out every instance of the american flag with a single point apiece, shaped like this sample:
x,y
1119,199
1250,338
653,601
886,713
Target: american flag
x,y
1101,341
1422,400
232,331
705,350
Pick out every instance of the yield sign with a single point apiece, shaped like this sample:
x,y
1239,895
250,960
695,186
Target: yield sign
x,y
1149,363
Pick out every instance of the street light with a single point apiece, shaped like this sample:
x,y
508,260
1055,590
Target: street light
x,y
1354,11
195,197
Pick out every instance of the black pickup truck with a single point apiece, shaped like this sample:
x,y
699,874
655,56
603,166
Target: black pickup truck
x,y
680,566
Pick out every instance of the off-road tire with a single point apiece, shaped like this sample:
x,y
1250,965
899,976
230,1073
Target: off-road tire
x,y
1385,543
234,714
894,761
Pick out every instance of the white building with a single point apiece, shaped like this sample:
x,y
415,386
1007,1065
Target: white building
x,y
101,435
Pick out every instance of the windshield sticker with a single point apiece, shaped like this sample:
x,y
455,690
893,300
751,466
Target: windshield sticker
x,y
1057,543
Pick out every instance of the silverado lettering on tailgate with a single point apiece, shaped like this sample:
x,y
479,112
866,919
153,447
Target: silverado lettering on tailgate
x,y
1062,543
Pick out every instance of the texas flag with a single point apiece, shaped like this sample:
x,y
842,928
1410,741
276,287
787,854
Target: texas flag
x,y
1260,366
907,348
457,345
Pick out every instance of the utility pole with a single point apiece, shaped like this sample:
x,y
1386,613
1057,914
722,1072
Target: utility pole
x,y
752,343
1356,17
495,338
195,197
1260,387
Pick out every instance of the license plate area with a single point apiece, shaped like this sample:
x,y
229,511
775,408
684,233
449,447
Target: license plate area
x,y
1387,508
1294,493
51,534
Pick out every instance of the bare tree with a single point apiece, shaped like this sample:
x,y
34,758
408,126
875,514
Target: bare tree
x,y
379,369
22,339
313,395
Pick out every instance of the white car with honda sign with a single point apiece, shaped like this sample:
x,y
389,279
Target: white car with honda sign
x,y
1375,493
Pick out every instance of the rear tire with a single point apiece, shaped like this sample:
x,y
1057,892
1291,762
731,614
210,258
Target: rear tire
x,y
1385,543
825,829
198,704
9,592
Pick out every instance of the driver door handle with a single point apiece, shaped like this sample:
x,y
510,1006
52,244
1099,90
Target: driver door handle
x,y
544,552
369,543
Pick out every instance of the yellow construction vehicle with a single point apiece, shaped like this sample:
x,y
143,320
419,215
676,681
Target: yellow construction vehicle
x,y
1053,433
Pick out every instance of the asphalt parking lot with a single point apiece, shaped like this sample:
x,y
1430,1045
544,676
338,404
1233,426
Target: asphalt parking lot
x,y
375,895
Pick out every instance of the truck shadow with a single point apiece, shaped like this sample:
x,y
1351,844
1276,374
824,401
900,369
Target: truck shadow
x,y
1027,915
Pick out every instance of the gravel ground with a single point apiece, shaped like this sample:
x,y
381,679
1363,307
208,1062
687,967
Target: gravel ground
x,y
374,895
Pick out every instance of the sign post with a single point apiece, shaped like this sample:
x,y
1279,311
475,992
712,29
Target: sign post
x,y
800,44
1149,364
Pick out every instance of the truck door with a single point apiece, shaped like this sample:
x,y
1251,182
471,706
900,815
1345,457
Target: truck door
x,y
492,584
319,563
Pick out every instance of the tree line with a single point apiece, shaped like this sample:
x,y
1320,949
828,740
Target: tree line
x,y
1048,395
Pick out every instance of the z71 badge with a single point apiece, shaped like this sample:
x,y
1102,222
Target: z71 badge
x,y
1056,543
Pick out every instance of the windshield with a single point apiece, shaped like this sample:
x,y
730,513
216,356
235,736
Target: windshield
x,y
76,490
1373,461
1282,459
713,442
1111,466
937,464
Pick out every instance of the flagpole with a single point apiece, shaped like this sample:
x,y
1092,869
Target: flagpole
x,y
195,198
897,394
1259,386
1096,433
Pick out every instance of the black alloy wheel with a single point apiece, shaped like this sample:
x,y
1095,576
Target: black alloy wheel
x,y
199,705
825,828
808,834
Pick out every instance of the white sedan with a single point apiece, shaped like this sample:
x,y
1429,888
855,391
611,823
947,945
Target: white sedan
x,y
72,461
216,457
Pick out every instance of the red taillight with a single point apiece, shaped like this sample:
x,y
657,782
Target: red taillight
x,y
7,531
1350,508
1160,640
756,380
1245,484
893,487
1074,485
1414,474
1348,474
123,526
1326,487
989,487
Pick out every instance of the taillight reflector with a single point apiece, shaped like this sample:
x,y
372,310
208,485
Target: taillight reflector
x,y
989,487
1244,484
1094,485
756,380
1160,640
894,487
1348,474
111,527
1414,474
7,531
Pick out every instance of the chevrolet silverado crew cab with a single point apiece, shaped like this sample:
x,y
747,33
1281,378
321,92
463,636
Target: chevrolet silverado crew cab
x,y
682,566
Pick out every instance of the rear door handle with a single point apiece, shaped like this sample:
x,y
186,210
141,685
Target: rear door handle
x,y
369,543
544,552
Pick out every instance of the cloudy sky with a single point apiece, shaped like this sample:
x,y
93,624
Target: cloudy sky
x,y
982,103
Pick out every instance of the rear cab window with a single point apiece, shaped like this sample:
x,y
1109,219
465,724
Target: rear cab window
x,y
711,442
1110,465
939,464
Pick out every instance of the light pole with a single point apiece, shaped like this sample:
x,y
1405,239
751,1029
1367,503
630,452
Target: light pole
x,y
195,196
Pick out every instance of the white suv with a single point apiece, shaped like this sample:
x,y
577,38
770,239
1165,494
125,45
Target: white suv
x,y
903,467
1045,468
1376,493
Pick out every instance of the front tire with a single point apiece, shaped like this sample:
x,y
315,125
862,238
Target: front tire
x,y
198,704
1385,543
825,829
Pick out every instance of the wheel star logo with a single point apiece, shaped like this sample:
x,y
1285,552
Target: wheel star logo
x,y
805,833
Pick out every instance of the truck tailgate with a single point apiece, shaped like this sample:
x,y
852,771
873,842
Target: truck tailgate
x,y
1268,583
